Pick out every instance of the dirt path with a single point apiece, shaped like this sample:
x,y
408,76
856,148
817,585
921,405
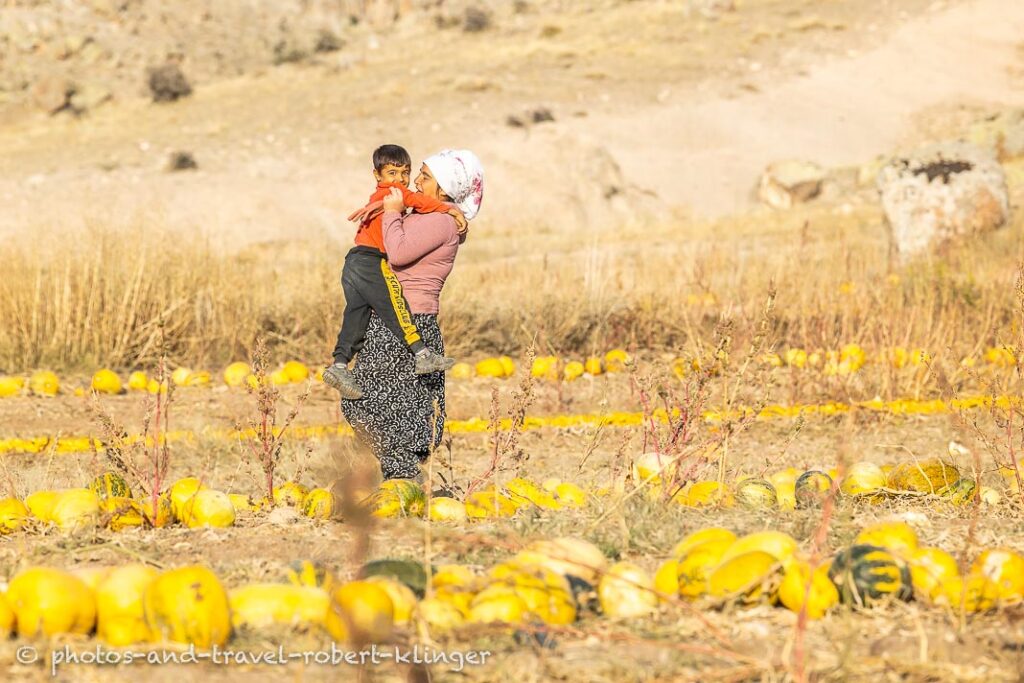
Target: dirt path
x,y
843,111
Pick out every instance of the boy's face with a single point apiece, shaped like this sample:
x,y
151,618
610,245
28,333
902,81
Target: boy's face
x,y
393,174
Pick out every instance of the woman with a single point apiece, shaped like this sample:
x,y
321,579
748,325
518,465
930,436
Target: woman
x,y
397,416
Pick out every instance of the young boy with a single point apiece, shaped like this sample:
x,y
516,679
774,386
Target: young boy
x,y
370,285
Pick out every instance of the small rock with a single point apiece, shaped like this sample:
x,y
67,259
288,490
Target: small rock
x,y
515,122
51,93
941,193
328,41
786,183
89,96
283,516
287,51
476,20
167,83
542,115
182,161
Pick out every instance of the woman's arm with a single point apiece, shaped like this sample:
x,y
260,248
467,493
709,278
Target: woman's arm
x,y
406,246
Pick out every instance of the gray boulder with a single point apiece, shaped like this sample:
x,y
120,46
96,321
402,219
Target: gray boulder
x,y
942,193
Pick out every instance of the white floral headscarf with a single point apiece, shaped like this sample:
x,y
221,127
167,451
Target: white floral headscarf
x,y
461,175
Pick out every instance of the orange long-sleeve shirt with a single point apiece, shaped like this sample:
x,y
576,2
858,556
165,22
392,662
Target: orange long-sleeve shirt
x,y
371,234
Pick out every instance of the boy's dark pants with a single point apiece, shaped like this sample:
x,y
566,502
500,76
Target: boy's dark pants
x,y
370,285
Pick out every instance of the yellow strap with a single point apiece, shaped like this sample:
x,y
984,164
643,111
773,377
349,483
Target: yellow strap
x,y
398,303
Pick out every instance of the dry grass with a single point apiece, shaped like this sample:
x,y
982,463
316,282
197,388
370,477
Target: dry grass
x,y
101,299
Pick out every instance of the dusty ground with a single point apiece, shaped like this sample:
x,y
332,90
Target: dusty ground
x,y
656,108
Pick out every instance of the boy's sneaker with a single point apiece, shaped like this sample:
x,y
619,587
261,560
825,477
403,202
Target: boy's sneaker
x,y
339,377
427,362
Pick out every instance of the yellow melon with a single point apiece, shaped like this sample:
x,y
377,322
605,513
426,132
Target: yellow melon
x,y
444,509
593,366
138,381
44,383
571,556
208,508
360,612
11,386
616,360
490,367
695,566
801,585
296,371
40,504
106,382
700,537
403,600
756,494
524,491
318,504
180,376
666,579
48,601
897,537
461,371
863,479
291,494
926,476
546,593
260,605
489,503
545,367
626,590
573,370
163,515
439,614
188,605
8,620
779,545
743,577
13,514
122,513
200,378
708,493
497,603
508,366
181,492
930,570
1005,568
76,509
120,616
236,374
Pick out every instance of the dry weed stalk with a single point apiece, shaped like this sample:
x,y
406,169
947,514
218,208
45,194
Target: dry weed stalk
x,y
143,462
505,451
266,449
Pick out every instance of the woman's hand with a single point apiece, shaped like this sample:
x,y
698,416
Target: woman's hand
x,y
394,201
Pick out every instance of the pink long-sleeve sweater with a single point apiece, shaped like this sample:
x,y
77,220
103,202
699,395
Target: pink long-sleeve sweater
x,y
421,249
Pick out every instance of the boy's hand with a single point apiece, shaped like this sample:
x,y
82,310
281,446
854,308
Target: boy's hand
x,y
394,201
460,221
366,213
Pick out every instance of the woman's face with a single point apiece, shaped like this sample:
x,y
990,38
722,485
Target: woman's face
x,y
427,184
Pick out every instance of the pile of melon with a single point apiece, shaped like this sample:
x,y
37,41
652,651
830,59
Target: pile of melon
x,y
884,563
789,488
108,501
557,582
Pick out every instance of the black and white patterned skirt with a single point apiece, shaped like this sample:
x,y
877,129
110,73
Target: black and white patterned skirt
x,y
396,415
